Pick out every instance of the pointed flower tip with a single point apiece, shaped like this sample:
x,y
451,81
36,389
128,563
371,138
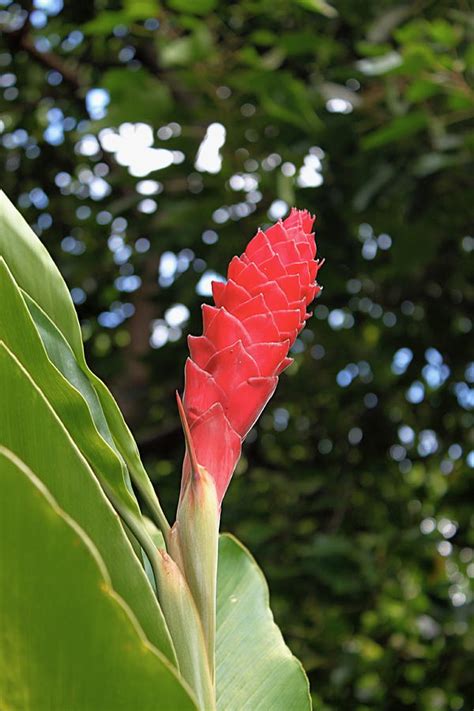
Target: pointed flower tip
x,y
187,434
246,337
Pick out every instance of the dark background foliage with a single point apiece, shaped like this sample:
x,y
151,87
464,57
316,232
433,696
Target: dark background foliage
x,y
353,491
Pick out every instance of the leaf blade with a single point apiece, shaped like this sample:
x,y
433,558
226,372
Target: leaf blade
x,y
84,647
38,436
26,257
22,338
255,669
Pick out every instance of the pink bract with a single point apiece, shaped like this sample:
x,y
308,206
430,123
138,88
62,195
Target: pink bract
x,y
234,366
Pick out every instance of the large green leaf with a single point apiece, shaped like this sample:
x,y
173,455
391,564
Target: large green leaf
x,y
104,410
67,640
255,669
61,355
30,428
20,335
127,447
35,271
27,258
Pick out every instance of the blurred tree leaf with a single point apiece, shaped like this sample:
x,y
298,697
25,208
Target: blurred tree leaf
x,y
195,7
135,96
399,129
187,50
320,6
132,10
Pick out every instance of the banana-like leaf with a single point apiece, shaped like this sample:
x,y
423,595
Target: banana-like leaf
x,y
104,410
79,410
40,349
255,669
67,639
31,428
127,447
36,273
61,355
18,331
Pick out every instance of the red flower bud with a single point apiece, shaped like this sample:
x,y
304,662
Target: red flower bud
x,y
234,366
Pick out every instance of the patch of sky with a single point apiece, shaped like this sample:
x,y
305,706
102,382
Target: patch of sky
x,y
177,315
355,436
209,237
72,41
8,79
167,268
243,181
464,395
122,254
62,179
209,158
277,209
406,435
50,7
159,333
281,418
298,346
54,132
78,295
115,242
71,245
345,376
97,101
128,283
147,206
39,198
133,148
401,360
204,285
469,373
427,443
338,319
149,187
369,249
83,212
99,188
415,393
310,173
339,106
54,78
142,245
455,451
271,162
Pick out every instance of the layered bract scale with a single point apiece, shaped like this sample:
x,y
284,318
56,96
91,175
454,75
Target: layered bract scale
x,y
234,366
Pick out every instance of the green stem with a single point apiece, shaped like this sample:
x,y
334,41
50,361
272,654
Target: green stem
x,y
181,615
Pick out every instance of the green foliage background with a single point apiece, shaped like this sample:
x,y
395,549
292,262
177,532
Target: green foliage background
x,y
353,492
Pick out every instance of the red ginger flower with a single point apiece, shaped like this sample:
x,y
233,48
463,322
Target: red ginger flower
x,y
234,366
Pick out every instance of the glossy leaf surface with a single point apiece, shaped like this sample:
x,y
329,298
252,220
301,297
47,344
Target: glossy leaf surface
x,y
68,641
255,669
33,431
27,258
